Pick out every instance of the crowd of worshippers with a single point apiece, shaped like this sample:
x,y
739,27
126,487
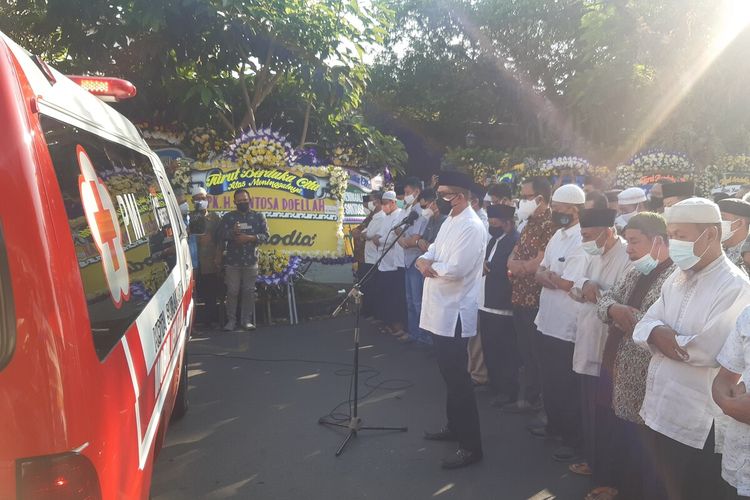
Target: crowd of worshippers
x,y
614,319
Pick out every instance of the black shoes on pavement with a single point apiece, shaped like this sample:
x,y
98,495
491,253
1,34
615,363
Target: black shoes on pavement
x,y
443,434
462,458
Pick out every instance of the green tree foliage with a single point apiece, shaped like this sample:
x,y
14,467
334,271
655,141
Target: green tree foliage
x,y
595,78
222,57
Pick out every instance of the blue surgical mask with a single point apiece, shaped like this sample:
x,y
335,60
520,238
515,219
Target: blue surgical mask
x,y
682,253
646,264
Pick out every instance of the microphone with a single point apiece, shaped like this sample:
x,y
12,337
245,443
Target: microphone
x,y
409,219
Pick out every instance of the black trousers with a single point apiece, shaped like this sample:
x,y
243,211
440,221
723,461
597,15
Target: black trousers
x,y
391,293
500,352
562,390
461,405
632,461
685,473
523,322
597,431
208,287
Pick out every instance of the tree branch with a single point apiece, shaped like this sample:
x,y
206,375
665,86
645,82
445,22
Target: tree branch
x,y
226,122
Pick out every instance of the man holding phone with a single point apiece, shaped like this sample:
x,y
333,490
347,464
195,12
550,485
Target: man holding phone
x,y
242,231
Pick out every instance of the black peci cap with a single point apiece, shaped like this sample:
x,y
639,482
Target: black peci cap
x,y
598,217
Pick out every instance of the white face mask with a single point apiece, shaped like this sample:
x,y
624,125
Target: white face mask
x,y
726,230
184,208
201,204
409,199
526,209
682,253
626,217
371,206
427,213
591,247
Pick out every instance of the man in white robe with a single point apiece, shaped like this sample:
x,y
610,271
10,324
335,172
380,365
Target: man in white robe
x,y
607,263
685,330
563,264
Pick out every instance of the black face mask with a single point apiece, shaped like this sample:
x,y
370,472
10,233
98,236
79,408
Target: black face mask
x,y
444,206
561,219
243,207
496,232
656,203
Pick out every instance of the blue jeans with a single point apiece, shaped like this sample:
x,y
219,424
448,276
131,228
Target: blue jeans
x,y
414,284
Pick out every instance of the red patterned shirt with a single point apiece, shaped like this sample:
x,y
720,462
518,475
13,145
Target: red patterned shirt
x,y
534,238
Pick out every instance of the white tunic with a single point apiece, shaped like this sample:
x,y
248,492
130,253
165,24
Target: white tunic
x,y
702,307
557,310
458,255
591,332
482,214
373,228
735,357
395,257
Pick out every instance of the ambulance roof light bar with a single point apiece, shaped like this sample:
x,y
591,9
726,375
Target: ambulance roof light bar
x,y
105,88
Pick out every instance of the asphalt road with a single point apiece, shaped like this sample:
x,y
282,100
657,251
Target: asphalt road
x,y
252,428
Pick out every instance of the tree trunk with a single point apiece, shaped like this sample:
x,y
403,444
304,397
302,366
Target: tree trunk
x,y
249,120
303,139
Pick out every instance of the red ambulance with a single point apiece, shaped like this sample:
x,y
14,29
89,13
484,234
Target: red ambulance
x,y
95,290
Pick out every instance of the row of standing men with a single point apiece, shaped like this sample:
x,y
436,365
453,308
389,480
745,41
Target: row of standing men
x,y
625,326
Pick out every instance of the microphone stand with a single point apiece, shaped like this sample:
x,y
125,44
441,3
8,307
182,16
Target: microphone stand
x,y
354,425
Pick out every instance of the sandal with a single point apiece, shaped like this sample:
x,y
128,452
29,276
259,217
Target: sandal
x,y
582,469
602,493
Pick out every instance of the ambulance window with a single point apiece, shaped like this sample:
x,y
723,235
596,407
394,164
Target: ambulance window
x,y
119,225
7,310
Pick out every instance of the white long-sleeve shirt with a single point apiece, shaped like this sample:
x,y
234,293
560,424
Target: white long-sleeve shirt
x,y
557,310
735,459
457,255
591,332
395,257
702,307
373,228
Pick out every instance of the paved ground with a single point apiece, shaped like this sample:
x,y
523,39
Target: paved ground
x,y
252,431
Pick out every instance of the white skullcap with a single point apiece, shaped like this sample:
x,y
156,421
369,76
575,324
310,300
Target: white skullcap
x,y
389,195
631,196
200,190
693,211
569,193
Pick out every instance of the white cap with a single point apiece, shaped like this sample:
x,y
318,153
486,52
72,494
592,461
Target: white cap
x,y
631,196
389,195
200,190
693,211
569,193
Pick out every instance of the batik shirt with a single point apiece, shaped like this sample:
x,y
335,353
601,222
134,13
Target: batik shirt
x,y
631,361
251,222
534,238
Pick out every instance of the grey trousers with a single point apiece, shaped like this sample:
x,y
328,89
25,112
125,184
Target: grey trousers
x,y
240,279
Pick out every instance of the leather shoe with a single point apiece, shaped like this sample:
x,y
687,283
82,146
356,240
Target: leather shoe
x,y
462,458
443,434
565,454
541,432
522,406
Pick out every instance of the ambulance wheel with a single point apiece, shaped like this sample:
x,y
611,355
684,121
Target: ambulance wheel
x,y
181,401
